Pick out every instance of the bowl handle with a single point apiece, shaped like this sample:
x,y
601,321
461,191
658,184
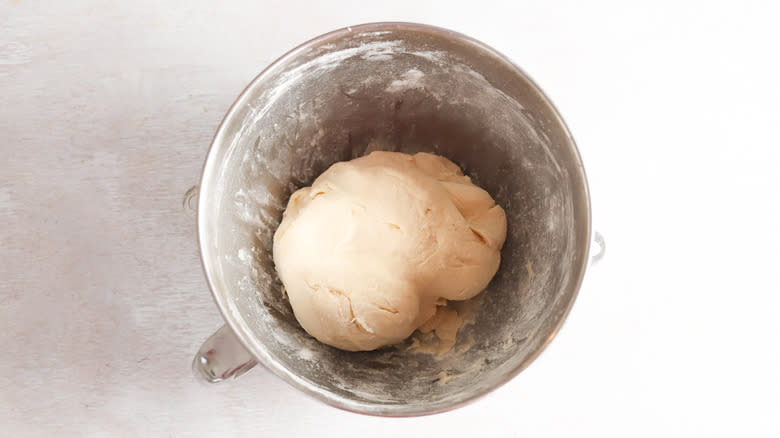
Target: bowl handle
x,y
597,248
222,357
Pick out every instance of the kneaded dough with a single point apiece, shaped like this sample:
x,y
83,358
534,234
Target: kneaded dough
x,y
375,244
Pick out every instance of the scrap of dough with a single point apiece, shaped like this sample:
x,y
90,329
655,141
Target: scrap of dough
x,y
369,250
438,335
445,324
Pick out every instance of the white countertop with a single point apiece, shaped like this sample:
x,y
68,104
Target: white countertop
x,y
108,109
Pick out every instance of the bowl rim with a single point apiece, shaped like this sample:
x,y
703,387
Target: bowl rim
x,y
256,348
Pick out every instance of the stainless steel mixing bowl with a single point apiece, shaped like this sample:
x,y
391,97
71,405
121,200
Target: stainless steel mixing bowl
x,y
405,87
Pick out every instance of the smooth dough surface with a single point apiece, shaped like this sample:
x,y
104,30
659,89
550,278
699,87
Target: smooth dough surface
x,y
375,244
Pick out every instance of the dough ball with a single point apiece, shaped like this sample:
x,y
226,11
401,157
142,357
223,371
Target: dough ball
x,y
368,250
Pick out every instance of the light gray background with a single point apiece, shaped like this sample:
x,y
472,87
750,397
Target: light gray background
x,y
107,112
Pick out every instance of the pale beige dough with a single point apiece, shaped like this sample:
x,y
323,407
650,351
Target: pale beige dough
x,y
369,250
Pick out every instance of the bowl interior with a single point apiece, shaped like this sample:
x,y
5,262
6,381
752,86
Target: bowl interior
x,y
407,88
